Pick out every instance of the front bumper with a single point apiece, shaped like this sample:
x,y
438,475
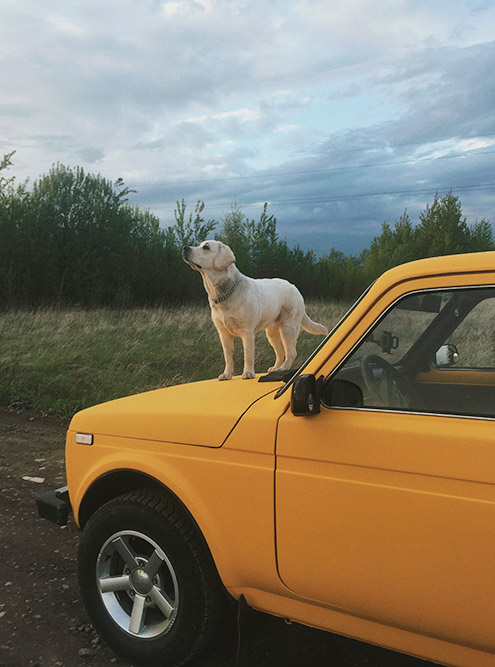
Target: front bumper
x,y
55,505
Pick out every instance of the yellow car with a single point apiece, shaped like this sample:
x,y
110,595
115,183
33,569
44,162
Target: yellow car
x,y
354,495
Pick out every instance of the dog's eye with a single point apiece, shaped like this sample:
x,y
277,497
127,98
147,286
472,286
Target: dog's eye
x,y
206,247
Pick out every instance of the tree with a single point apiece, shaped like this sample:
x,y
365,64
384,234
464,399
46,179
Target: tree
x,y
235,234
189,230
5,183
72,238
80,237
265,250
442,229
481,237
392,247
258,250
13,212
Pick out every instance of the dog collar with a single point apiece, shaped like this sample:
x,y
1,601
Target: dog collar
x,y
227,294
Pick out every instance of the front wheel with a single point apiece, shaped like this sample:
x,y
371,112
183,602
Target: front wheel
x,y
148,581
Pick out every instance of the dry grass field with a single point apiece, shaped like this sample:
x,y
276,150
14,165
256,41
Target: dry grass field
x,y
59,361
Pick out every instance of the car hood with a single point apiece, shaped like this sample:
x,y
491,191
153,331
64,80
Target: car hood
x,y
199,413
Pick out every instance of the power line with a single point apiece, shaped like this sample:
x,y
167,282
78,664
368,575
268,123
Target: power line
x,y
388,193
281,174
328,199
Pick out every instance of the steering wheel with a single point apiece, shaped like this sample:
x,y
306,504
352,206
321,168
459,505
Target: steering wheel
x,y
387,386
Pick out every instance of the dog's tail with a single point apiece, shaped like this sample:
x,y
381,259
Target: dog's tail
x,y
313,327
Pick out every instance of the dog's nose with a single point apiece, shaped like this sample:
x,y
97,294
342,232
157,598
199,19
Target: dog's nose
x,y
185,250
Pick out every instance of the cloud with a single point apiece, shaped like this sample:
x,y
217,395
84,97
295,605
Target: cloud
x,y
446,92
173,8
238,115
328,111
65,26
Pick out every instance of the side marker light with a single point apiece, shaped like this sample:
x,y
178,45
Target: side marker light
x,y
84,438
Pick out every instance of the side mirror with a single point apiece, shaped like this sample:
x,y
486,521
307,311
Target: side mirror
x,y
342,394
446,356
305,396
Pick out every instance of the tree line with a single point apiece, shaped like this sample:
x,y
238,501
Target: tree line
x,y
72,238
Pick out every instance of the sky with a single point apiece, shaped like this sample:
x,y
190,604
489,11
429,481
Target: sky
x,y
339,115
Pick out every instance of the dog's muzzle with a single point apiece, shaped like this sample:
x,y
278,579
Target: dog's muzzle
x,y
186,254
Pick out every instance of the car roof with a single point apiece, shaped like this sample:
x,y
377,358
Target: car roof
x,y
462,263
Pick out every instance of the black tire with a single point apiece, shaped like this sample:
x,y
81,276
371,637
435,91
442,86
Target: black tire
x,y
148,581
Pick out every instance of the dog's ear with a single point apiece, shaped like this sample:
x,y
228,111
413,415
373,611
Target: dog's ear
x,y
224,258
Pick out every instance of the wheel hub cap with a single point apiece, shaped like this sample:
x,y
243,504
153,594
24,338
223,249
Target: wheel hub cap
x,y
141,582
137,584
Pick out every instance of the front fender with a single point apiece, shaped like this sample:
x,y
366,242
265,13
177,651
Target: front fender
x,y
229,494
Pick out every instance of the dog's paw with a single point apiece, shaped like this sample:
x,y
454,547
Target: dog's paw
x,y
248,375
225,376
273,368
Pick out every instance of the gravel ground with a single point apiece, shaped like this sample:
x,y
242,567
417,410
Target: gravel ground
x,y
42,620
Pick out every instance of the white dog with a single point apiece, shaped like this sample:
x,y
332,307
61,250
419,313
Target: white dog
x,y
241,306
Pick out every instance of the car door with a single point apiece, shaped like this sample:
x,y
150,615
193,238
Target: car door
x,y
387,511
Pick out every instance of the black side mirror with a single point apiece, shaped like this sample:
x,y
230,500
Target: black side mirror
x,y
342,393
305,396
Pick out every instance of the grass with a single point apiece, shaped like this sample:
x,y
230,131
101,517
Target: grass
x,y
60,361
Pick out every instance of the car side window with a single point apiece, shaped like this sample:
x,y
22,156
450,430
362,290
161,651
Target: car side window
x,y
474,338
431,352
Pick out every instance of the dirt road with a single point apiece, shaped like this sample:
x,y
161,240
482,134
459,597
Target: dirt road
x,y
42,621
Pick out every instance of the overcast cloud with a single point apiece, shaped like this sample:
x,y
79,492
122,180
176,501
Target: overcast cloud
x,y
340,115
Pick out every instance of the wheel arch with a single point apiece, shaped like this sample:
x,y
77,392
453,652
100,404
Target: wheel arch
x,y
114,484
